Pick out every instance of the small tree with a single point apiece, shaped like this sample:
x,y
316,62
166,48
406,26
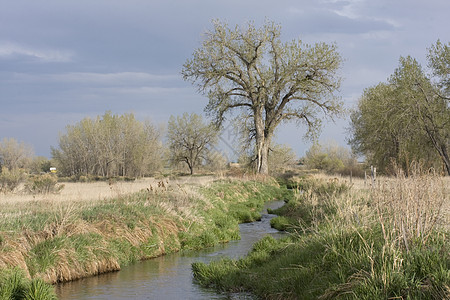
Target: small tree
x,y
323,158
40,164
190,140
332,158
15,155
281,157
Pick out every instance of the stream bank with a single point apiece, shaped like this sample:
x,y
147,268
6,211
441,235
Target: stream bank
x,y
169,276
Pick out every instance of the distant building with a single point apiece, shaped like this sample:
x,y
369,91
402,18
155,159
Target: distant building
x,y
52,170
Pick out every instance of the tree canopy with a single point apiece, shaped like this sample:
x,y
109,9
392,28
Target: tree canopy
x,y
250,70
14,154
407,118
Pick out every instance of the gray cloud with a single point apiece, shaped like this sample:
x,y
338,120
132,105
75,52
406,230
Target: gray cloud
x,y
63,60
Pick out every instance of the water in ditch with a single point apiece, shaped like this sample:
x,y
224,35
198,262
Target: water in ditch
x,y
170,276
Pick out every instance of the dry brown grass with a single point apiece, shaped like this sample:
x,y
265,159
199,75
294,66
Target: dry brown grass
x,y
101,190
80,191
411,207
423,193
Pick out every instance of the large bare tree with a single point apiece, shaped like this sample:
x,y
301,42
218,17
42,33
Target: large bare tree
x,y
250,69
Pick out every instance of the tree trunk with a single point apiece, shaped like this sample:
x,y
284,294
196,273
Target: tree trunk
x,y
262,144
446,160
440,146
264,167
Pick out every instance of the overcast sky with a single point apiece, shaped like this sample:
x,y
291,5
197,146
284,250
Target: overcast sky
x,y
62,61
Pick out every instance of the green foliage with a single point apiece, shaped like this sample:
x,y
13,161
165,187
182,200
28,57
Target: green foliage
x,y
318,157
439,62
280,223
333,159
406,119
43,184
12,284
44,255
10,179
229,210
39,290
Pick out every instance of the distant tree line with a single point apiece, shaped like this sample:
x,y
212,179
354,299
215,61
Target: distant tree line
x,y
110,145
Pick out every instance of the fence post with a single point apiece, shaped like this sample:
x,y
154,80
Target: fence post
x,y
373,174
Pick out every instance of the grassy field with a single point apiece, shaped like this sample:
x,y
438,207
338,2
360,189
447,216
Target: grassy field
x,y
349,241
92,228
101,190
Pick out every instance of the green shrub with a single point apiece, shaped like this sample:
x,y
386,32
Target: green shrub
x,y
333,159
280,223
10,180
43,184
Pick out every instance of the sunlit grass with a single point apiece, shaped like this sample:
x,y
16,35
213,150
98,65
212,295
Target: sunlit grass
x,y
59,240
382,241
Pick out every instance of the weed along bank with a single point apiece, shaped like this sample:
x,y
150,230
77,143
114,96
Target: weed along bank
x,y
58,241
346,242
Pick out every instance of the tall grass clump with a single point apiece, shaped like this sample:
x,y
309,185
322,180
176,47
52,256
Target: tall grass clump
x,y
385,242
14,285
312,202
410,208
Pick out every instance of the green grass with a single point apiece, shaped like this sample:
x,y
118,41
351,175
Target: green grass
x,y
331,255
70,241
233,202
14,285
333,264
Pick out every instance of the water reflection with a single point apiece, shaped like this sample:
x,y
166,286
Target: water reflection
x,y
170,276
